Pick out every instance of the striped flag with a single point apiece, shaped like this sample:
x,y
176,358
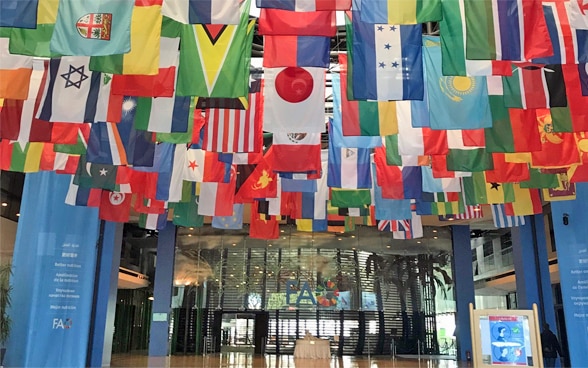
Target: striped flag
x,y
470,212
349,167
399,11
203,11
105,145
234,130
153,221
15,73
163,114
501,220
305,5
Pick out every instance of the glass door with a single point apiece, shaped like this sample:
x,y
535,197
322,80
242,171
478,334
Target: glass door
x,y
238,332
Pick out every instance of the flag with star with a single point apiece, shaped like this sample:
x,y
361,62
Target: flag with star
x,y
90,175
70,80
234,222
478,191
385,59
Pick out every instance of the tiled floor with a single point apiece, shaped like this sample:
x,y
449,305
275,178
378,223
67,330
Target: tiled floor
x,y
241,360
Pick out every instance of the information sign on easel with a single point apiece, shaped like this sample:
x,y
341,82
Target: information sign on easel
x,y
505,338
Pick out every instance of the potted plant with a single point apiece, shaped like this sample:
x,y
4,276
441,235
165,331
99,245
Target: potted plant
x,y
5,322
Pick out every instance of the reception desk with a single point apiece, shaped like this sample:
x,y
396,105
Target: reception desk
x,y
312,349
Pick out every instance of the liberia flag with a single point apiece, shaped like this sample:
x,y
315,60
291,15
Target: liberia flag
x,y
234,130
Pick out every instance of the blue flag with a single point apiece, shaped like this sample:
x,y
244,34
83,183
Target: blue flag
x,y
454,102
233,222
93,28
18,13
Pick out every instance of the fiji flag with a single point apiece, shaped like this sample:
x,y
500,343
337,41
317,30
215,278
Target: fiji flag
x,y
92,28
203,11
386,61
233,222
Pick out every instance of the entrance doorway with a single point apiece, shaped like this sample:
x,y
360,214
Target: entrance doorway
x,y
238,332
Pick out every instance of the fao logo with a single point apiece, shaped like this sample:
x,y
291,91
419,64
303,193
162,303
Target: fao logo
x,y
63,324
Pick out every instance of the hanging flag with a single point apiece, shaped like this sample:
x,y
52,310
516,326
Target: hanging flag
x,y
294,99
143,58
301,51
434,185
296,152
466,158
105,145
152,221
234,130
478,191
214,59
18,14
91,175
34,41
163,114
17,117
564,191
583,74
262,226
386,60
496,30
416,141
70,80
15,73
361,118
80,196
138,145
399,11
216,199
453,48
115,206
305,5
501,220
557,149
349,168
202,166
186,213
89,28
350,197
578,14
539,179
341,141
394,158
506,172
262,183
310,225
397,182
577,115
161,84
533,86
512,129
569,45
279,22
233,222
408,229
454,102
527,202
203,11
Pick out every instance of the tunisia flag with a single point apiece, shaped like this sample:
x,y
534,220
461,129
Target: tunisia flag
x,y
294,100
115,206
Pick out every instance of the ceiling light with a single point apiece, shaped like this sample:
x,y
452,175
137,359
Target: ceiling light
x,y
191,228
269,245
418,242
4,204
353,248
18,214
450,219
434,231
387,246
151,298
353,236
189,234
281,231
234,244
339,239
435,237
477,209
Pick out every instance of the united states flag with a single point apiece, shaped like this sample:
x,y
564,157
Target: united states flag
x,y
234,130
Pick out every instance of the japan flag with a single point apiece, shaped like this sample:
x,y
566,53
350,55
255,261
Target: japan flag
x,y
294,100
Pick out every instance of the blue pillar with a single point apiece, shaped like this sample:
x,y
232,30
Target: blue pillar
x,y
532,268
106,287
463,278
162,293
570,224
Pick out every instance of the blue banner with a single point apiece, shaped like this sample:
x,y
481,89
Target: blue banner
x,y
53,275
571,238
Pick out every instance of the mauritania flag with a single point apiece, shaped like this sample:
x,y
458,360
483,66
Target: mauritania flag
x,y
203,11
454,102
399,11
91,28
386,60
214,59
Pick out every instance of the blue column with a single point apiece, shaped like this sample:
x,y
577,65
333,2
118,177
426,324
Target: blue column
x,y
570,223
463,278
106,287
162,293
532,268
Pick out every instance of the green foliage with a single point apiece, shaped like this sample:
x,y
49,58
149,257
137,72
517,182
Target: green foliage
x,y
5,289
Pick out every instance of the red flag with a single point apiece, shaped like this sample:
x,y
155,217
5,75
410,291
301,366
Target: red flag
x,y
576,101
159,85
557,149
115,206
473,138
289,23
296,152
263,226
506,172
262,183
